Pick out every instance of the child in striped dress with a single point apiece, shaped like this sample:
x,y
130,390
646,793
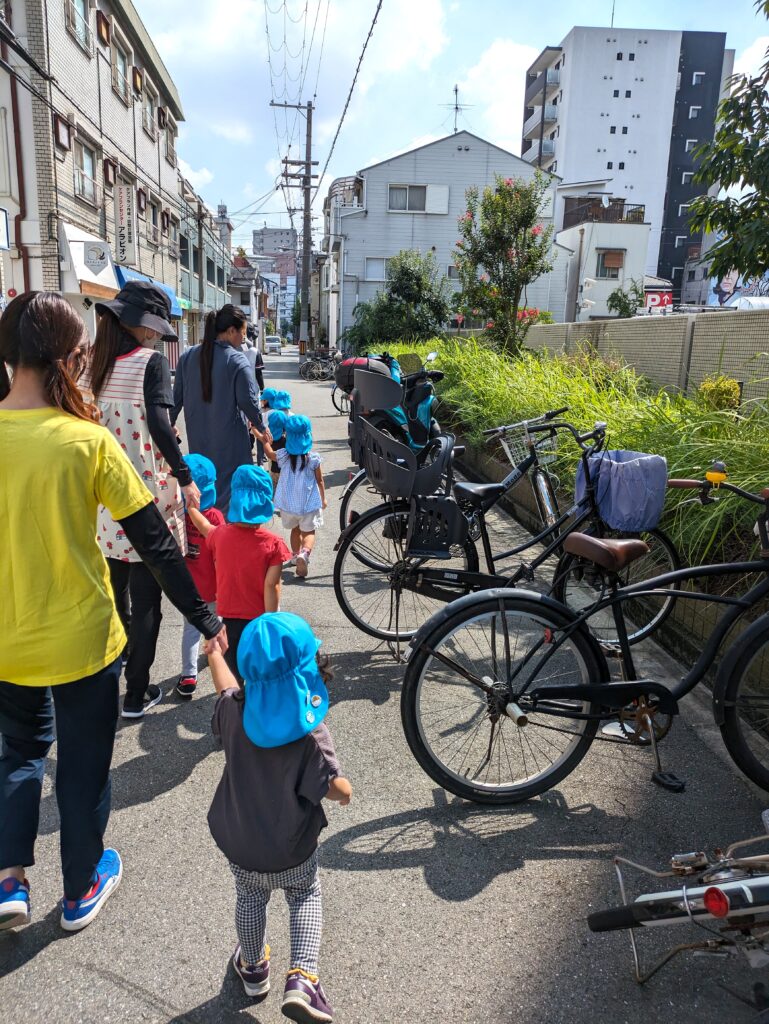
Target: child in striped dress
x,y
300,494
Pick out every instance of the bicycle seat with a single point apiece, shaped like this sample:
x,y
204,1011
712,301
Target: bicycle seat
x,y
478,495
613,555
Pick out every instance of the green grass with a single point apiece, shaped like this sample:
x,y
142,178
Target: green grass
x,y
483,389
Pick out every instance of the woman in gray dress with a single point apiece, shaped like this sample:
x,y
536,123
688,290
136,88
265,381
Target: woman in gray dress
x,y
215,386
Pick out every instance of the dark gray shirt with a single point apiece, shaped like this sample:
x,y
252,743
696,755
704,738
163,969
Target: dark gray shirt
x,y
267,811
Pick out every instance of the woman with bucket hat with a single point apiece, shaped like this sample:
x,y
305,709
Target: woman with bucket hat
x,y
216,388
131,384
60,660
267,813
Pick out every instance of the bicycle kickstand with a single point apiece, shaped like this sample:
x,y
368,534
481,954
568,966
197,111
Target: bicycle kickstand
x,y
666,780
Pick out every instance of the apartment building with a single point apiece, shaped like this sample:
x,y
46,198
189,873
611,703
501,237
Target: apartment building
x,y
620,112
413,201
270,241
204,263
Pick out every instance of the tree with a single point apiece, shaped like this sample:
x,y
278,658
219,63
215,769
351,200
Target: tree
x,y
626,303
738,158
413,305
296,317
285,326
503,249
240,251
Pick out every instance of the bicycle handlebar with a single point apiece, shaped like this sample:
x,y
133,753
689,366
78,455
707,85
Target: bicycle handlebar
x,y
706,485
545,418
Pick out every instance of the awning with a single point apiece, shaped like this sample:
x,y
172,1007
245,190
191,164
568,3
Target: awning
x,y
127,274
86,265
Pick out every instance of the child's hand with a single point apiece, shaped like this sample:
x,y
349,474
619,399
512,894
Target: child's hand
x,y
340,791
325,503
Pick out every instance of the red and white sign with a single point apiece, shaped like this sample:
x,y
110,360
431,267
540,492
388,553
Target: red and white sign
x,y
659,300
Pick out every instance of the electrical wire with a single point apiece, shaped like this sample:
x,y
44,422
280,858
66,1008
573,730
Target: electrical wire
x,y
322,44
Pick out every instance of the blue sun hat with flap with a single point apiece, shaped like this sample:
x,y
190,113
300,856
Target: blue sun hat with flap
x,y
281,401
277,424
250,496
204,476
268,396
286,697
298,435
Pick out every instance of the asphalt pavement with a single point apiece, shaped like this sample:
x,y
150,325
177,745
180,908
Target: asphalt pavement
x,y
435,909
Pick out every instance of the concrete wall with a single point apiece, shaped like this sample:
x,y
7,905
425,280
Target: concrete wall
x,y
675,351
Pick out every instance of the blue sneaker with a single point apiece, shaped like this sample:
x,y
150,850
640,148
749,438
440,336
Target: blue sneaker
x,y
14,903
77,914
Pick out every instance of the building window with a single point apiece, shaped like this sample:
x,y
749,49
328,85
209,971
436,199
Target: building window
x,y
62,132
376,268
628,94
120,71
686,177
610,165
85,172
184,251
210,271
171,141
694,112
698,78
453,273
77,17
631,56
681,240
683,209
174,231
110,173
153,228
621,165
149,109
691,275
609,264
624,130
407,198
619,56
690,145
616,94
613,130
141,202
196,260
245,298
220,278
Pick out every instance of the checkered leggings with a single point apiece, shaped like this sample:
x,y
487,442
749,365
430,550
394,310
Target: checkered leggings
x,y
301,886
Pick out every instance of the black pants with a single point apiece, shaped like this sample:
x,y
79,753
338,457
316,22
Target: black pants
x,y
137,598
85,715
235,629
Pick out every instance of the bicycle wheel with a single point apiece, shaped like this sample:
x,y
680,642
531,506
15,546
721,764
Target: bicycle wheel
x,y
306,369
579,583
358,497
459,734
745,729
378,587
341,400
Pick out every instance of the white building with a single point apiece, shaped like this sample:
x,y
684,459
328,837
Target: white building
x,y
629,107
413,201
270,241
286,300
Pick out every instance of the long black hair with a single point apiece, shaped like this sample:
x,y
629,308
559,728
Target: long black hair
x,y
217,322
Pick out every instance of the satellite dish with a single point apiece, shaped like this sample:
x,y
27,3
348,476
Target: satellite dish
x,y
605,202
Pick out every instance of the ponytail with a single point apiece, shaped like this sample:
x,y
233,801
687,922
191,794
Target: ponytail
x,y
105,351
41,331
217,322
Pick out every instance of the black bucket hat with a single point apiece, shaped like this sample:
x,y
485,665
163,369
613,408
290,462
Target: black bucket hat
x,y
142,304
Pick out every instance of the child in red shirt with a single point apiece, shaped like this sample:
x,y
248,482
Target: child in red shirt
x,y
201,565
248,559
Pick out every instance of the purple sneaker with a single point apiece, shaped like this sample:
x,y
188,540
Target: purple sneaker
x,y
256,978
304,1000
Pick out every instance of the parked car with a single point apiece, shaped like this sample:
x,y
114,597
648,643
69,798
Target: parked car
x,y
272,343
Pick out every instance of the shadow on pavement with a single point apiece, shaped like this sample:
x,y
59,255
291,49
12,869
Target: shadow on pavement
x,y
462,848
364,675
17,948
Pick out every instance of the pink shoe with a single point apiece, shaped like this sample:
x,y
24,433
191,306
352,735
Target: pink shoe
x,y
302,563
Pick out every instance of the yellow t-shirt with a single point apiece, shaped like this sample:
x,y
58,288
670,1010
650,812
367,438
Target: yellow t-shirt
x,y
57,614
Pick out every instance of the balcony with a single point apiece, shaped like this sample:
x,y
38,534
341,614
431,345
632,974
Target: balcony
x,y
153,234
78,26
542,88
548,153
532,124
86,188
589,210
148,122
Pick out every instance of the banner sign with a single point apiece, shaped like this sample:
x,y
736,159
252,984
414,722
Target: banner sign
x,y
125,225
658,300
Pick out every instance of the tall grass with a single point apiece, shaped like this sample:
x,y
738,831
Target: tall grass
x,y
483,389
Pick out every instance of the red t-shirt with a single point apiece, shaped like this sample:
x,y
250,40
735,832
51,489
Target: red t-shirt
x,y
242,556
201,565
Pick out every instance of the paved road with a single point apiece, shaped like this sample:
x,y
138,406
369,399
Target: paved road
x,y
434,909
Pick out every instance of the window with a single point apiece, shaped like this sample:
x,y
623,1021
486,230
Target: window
x,y
120,71
210,271
631,56
694,112
628,94
616,94
681,240
624,130
196,260
609,264
376,268
85,172
141,202
698,78
245,298
453,273
77,14
220,278
153,228
103,30
621,165
110,173
62,132
174,231
619,56
613,130
184,251
691,275
149,110
610,165
171,141
407,198
690,145
686,177
683,209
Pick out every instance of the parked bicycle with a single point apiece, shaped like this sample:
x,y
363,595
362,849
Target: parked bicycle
x,y
504,690
724,898
317,367
401,561
340,400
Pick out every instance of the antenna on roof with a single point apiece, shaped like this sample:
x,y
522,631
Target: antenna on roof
x,y
457,107
613,2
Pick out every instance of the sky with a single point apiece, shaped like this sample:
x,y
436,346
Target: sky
x,y
230,58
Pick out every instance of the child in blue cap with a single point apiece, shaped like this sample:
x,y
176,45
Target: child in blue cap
x,y
200,563
248,559
277,422
301,494
267,813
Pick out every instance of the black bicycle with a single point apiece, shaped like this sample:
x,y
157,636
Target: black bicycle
x,y
504,690
401,561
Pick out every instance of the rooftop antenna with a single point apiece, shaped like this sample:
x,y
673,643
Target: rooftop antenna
x,y
613,2
457,107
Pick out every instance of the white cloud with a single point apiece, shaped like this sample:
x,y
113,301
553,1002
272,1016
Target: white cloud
x,y
198,179
495,87
750,61
197,36
415,143
273,167
233,130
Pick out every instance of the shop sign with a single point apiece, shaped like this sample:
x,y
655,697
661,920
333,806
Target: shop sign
x,y
658,300
125,225
95,256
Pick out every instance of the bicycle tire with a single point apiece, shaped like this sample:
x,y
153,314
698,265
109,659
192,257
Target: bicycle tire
x,y
340,400
351,497
745,728
577,583
442,635
363,582
305,369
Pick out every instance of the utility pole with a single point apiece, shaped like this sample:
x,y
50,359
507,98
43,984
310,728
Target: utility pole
x,y
305,176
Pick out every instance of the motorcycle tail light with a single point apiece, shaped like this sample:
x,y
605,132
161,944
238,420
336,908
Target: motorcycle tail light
x,y
716,902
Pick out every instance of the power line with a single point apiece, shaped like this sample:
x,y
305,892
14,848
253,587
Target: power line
x,y
349,96
322,44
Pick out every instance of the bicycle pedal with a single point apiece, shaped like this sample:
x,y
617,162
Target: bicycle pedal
x,y
669,781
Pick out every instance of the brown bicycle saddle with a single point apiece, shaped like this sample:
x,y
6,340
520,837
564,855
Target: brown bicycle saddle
x,y
613,555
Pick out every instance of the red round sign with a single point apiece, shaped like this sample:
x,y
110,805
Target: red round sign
x,y
12,293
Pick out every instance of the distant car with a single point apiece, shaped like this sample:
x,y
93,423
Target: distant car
x,y
272,343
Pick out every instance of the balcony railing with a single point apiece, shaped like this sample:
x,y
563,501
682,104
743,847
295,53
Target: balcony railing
x,y
533,123
170,149
120,83
153,234
542,87
579,210
148,122
86,187
78,25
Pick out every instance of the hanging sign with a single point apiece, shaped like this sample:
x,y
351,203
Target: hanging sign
x,y
125,225
96,256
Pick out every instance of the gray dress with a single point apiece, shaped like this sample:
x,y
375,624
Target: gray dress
x,y
218,429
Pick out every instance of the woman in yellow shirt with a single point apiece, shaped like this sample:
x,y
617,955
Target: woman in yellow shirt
x,y
60,661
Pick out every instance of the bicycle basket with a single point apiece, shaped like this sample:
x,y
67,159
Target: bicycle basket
x,y
629,488
391,467
436,525
544,442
